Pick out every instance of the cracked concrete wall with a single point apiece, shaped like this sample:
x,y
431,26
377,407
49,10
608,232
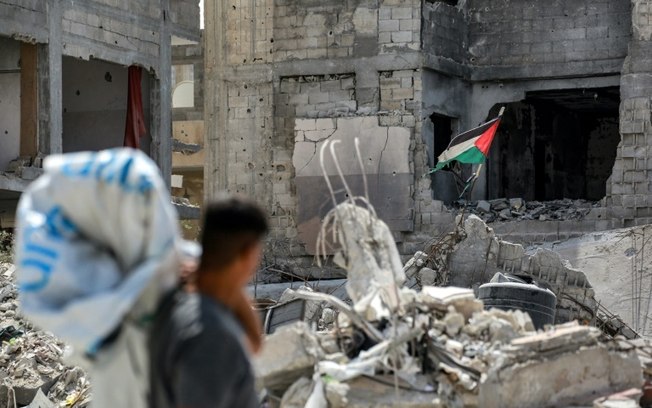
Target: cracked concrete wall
x,y
385,164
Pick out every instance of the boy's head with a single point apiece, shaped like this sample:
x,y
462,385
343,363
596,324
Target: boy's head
x,y
232,239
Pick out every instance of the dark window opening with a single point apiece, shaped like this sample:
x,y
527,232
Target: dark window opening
x,y
443,132
449,2
445,184
556,144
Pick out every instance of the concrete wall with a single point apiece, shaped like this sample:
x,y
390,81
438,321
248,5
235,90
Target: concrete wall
x,y
122,31
445,31
270,76
9,101
95,105
271,64
526,32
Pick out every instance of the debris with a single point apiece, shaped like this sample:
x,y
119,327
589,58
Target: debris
x,y
370,257
290,353
568,366
625,399
515,209
422,346
32,367
41,401
483,207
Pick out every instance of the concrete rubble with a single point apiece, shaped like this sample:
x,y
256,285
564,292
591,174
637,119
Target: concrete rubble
x,y
32,367
437,346
516,209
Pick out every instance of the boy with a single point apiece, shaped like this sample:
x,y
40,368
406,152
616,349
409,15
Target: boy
x,y
201,339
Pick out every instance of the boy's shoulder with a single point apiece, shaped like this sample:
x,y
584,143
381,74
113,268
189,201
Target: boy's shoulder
x,y
194,315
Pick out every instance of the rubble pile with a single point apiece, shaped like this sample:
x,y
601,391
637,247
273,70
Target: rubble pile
x,y
515,209
26,168
31,361
443,350
395,346
472,254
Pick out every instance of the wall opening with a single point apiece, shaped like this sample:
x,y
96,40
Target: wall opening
x,y
443,132
183,86
449,2
95,105
556,144
10,88
447,184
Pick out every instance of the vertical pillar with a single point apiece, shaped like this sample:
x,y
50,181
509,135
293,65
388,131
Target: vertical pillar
x,y
49,68
215,99
161,99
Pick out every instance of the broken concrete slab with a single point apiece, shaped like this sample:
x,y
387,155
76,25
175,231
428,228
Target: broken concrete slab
x,y
275,290
367,393
288,354
625,399
441,298
566,379
615,263
483,206
479,254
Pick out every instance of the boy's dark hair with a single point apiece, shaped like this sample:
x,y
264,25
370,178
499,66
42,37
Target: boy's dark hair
x,y
231,226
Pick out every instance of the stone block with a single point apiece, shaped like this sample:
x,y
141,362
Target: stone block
x,y
288,354
401,36
400,13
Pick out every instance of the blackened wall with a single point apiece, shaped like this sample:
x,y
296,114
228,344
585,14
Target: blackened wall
x,y
520,32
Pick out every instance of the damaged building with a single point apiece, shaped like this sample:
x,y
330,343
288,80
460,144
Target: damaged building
x,y
65,74
283,77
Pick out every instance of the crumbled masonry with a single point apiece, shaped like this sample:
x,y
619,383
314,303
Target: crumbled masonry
x,y
440,348
33,360
516,209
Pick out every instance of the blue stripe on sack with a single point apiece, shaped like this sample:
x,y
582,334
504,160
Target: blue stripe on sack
x,y
41,250
46,270
125,173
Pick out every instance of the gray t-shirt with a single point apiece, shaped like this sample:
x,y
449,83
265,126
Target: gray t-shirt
x,y
197,358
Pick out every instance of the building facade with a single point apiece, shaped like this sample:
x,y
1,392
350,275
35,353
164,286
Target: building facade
x,y
64,80
283,77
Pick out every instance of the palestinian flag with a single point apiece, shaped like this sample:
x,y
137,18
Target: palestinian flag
x,y
470,147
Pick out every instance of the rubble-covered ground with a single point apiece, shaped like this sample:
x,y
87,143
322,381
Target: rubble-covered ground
x,y
404,338
515,209
32,370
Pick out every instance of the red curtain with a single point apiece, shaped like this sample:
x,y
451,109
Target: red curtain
x,y
135,126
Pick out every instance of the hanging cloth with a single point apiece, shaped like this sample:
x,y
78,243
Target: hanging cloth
x,y
135,126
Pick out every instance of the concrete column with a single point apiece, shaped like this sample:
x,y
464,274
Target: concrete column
x,y
215,99
49,62
161,99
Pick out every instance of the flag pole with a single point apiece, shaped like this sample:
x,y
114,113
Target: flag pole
x,y
474,177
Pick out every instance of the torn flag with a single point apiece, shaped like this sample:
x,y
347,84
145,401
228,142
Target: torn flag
x,y
470,147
